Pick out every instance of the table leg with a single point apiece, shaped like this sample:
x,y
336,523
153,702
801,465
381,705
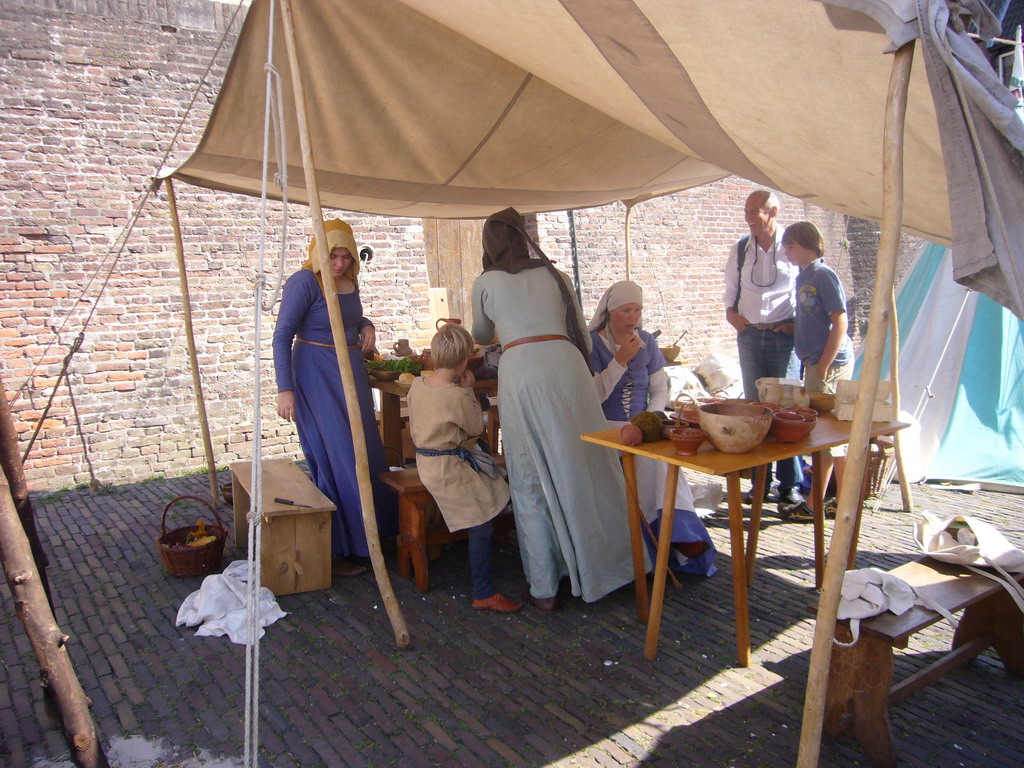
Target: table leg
x,y
818,508
633,513
661,565
865,486
391,426
739,568
760,476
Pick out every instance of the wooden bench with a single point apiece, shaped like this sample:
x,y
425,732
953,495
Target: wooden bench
x,y
296,551
860,689
415,537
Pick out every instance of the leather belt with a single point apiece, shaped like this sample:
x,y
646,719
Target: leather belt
x,y
770,326
321,344
531,339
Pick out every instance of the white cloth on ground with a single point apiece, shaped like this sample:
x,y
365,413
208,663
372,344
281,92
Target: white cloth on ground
x,y
219,605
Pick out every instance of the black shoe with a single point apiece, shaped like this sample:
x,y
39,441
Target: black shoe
x,y
790,497
748,496
797,513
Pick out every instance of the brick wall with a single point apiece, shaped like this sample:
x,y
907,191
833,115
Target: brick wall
x,y
91,93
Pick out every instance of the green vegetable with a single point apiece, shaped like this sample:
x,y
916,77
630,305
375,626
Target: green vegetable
x,y
404,365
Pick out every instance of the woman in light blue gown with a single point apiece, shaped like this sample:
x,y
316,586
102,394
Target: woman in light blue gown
x,y
568,496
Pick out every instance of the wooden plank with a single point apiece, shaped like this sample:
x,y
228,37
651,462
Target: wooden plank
x,y
949,585
282,478
935,671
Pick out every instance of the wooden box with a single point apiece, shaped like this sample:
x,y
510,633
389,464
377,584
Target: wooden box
x,y
846,397
296,551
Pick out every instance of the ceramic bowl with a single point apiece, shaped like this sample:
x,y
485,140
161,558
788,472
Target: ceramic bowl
x,y
687,440
735,427
821,402
803,411
789,426
670,353
687,414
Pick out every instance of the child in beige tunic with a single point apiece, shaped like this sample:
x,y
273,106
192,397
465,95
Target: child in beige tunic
x,y
445,421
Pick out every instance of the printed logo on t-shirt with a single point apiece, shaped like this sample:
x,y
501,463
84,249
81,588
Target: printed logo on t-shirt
x,y
807,296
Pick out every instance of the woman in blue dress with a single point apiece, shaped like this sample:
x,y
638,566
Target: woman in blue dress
x,y
310,393
630,378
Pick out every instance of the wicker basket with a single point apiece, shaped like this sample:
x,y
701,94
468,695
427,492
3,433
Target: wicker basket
x,y
182,560
881,455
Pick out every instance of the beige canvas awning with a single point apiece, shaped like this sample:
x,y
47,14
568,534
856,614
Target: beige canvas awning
x,y
457,108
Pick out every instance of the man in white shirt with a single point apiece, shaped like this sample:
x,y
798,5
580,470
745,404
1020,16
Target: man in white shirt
x,y
760,301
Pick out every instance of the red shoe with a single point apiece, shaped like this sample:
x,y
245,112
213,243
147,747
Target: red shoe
x,y
497,603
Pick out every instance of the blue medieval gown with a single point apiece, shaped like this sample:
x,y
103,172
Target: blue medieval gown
x,y
321,414
626,400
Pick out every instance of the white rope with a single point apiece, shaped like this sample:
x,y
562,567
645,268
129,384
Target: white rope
x,y
254,517
275,102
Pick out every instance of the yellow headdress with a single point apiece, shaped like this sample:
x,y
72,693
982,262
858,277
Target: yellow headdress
x,y
339,235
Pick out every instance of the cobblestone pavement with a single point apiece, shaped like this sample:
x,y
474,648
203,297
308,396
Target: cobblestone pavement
x,y
530,689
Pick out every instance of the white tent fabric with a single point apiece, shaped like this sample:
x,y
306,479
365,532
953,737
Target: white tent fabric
x,y
457,108
961,378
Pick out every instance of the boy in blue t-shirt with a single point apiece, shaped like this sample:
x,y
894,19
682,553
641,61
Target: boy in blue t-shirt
x,y
821,341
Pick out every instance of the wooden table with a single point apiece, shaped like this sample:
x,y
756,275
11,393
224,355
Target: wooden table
x,y
392,395
828,433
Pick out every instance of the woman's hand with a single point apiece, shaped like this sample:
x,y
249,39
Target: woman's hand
x,y
368,338
467,379
627,349
286,405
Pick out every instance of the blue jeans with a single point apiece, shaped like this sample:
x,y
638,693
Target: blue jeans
x,y
769,353
480,560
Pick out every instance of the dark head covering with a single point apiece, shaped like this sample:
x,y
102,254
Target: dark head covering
x,y
506,244
507,249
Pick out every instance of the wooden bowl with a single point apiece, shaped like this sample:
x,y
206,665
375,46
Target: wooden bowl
x,y
385,375
735,427
670,353
822,402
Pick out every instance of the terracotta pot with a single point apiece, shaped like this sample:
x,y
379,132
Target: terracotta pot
x,y
735,427
788,426
687,440
804,411
687,414
773,406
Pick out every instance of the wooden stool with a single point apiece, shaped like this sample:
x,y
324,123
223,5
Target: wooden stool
x,y
296,551
860,689
414,535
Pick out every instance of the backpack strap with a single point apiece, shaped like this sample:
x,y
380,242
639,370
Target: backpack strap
x,y
741,255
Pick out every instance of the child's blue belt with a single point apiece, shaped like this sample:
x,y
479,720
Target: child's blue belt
x,y
462,453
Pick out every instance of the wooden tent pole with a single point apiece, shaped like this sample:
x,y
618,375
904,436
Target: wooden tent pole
x,y
894,377
193,360
856,461
47,641
629,245
348,381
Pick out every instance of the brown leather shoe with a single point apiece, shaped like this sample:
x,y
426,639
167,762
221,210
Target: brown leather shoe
x,y
343,567
546,604
497,603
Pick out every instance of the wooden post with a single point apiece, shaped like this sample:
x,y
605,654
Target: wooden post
x,y
892,217
13,470
629,246
48,642
348,381
894,376
193,360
